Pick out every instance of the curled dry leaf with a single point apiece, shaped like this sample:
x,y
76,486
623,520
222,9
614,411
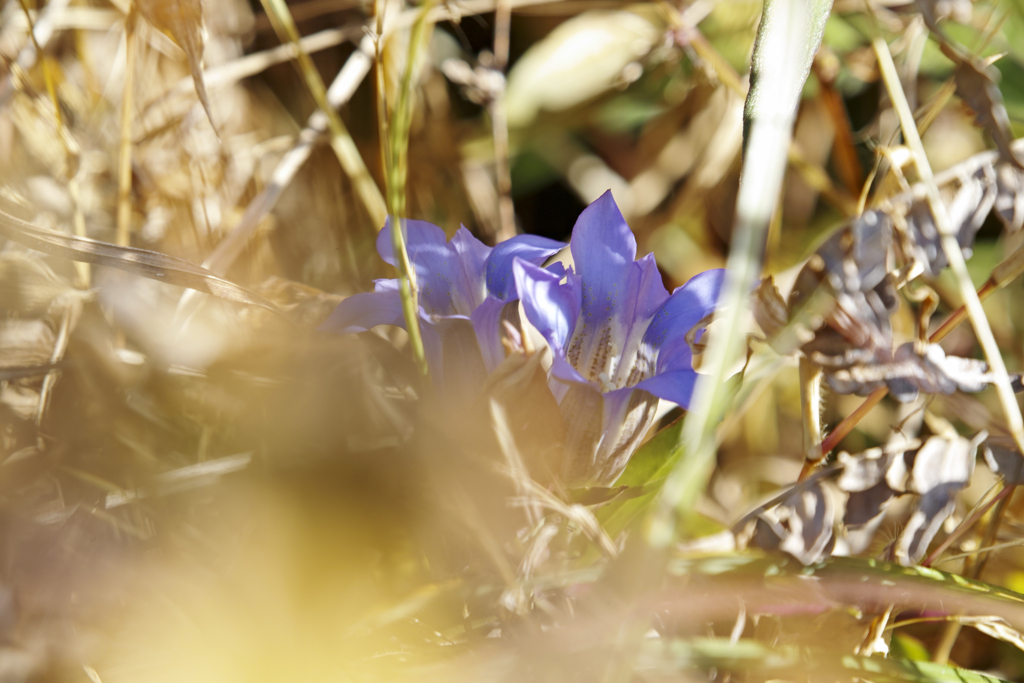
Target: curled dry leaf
x,y
769,308
967,207
182,20
851,270
935,472
975,80
865,512
801,524
25,342
871,479
1004,459
1009,201
911,373
800,521
976,86
941,469
852,266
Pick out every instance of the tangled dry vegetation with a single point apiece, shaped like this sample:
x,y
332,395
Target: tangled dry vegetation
x,y
198,484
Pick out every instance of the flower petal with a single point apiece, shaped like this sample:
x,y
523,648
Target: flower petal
x,y
628,415
675,386
603,248
360,312
601,239
472,255
488,321
635,360
687,306
531,248
419,236
551,307
558,268
438,271
651,294
561,369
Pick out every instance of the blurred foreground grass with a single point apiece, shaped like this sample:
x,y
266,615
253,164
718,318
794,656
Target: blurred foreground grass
x,y
194,488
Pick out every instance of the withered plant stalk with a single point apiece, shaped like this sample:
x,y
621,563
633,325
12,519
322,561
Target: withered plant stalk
x,y
124,166
950,246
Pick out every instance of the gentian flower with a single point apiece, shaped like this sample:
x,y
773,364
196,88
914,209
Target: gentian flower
x,y
464,287
618,339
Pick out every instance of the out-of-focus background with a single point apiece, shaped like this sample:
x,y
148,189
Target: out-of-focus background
x,y
194,488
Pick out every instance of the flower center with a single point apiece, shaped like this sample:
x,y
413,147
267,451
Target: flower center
x,y
612,366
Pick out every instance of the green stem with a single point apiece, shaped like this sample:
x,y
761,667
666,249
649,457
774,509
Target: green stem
x,y
397,172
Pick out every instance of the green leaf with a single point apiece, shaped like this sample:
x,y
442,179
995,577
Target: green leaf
x,y
651,462
904,646
663,656
883,670
842,37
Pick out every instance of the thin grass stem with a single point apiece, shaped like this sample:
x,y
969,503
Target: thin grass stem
x,y
341,141
499,126
397,174
950,246
124,166
788,36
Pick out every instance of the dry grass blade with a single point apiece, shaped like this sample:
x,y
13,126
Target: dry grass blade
x,y
348,79
225,75
950,246
351,75
42,32
341,140
75,18
499,126
182,479
24,371
396,174
124,164
71,148
182,20
149,264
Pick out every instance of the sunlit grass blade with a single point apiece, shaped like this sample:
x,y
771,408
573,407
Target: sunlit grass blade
x,y
341,141
396,155
787,39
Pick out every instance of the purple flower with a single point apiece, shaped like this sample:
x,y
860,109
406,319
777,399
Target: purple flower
x,y
618,340
464,286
